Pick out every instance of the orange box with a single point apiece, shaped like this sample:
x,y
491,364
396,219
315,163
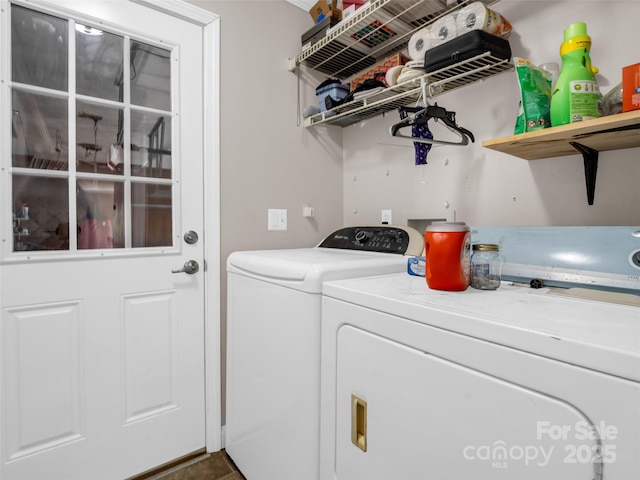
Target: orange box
x,y
631,88
382,67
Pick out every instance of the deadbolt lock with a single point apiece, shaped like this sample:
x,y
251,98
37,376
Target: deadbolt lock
x,y
190,237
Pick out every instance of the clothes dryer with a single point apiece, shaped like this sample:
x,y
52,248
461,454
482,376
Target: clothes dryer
x,y
518,383
273,343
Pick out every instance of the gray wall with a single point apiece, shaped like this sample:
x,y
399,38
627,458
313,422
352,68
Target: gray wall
x,y
267,161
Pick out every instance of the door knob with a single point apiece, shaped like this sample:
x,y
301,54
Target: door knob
x,y
190,267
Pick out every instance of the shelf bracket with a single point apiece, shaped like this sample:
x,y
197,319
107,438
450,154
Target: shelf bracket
x,y
293,64
590,168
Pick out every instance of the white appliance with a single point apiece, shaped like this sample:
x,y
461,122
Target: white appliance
x,y
518,383
273,343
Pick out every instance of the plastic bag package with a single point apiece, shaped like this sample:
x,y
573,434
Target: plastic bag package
x,y
534,112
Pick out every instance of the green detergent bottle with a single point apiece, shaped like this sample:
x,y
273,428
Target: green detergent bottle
x,y
576,95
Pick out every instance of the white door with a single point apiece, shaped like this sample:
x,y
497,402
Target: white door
x,y
102,346
406,414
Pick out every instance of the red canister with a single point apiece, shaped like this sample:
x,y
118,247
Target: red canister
x,y
447,251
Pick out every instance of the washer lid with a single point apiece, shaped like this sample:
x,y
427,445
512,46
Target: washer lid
x,y
306,269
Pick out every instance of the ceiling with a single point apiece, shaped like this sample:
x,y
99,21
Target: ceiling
x,y
304,4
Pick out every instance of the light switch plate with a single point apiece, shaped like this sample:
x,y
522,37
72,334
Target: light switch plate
x,y
277,219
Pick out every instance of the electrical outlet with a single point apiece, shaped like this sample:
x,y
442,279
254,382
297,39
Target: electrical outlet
x,y
385,217
307,211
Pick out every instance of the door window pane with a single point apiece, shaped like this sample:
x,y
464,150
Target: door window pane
x,y
150,76
99,128
100,218
40,213
151,145
39,49
39,131
99,63
151,215
121,129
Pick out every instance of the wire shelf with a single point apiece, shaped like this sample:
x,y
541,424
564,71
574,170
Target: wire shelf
x,y
443,80
373,32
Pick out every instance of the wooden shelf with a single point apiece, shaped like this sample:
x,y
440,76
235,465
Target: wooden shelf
x,y
613,132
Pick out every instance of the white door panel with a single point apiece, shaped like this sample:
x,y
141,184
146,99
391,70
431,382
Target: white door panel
x,y
36,390
103,349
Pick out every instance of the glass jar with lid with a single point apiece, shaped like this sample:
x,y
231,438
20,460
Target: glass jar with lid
x,y
485,266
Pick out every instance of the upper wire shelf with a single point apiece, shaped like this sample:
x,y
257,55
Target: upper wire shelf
x,y
373,32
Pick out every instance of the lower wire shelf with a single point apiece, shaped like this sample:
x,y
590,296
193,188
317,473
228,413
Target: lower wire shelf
x,y
464,73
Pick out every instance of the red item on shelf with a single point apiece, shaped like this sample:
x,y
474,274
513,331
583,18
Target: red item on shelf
x,y
631,88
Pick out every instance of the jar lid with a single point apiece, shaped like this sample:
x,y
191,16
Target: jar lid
x,y
486,247
448,227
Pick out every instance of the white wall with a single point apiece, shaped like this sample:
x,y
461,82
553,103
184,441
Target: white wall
x,y
486,187
267,161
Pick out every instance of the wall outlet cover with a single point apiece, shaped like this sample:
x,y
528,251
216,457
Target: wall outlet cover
x,y
277,219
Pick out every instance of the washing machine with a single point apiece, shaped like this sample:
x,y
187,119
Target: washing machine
x,y
517,383
273,343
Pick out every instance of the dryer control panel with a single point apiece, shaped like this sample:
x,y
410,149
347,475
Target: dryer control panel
x,y
380,238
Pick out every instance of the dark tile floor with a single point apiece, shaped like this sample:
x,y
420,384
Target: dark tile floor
x,y
213,466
